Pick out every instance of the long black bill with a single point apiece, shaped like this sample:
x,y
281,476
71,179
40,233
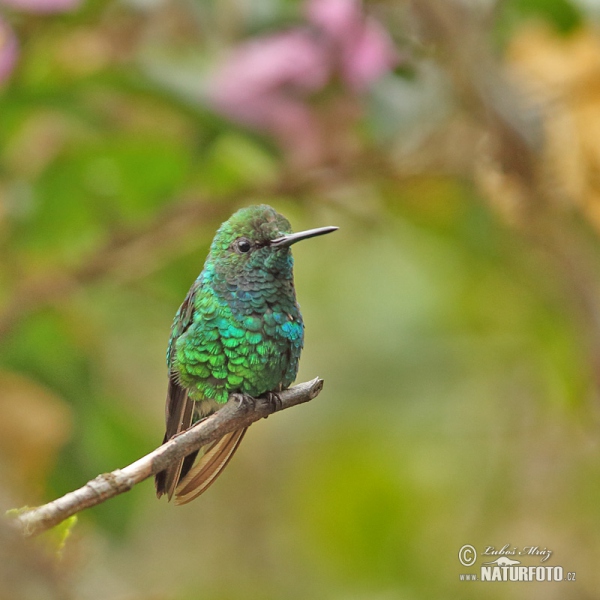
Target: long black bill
x,y
287,240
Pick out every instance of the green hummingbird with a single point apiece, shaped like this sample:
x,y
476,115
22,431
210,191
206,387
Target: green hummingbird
x,y
239,330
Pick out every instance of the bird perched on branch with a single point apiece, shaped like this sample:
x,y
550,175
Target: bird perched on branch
x,y
239,330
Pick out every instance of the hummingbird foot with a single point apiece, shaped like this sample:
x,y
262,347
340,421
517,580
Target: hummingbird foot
x,y
274,399
246,399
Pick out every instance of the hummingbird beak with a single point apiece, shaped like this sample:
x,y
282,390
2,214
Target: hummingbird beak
x,y
287,240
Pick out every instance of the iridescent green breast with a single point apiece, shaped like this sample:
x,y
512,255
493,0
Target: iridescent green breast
x,y
242,339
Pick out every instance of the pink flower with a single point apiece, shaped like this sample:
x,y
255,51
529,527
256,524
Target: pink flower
x,y
8,51
364,49
266,83
269,75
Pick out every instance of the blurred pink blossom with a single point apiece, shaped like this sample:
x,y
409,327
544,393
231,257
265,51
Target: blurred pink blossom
x,y
364,49
263,85
42,6
269,74
266,83
8,50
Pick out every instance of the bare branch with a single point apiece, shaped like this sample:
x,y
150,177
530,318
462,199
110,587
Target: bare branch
x,y
234,415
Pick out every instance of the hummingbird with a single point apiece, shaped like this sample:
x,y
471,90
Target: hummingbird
x,y
239,330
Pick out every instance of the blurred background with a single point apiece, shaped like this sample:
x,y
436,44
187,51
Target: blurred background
x,y
455,317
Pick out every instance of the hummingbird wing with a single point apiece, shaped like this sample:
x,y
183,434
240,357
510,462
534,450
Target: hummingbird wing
x,y
179,413
210,465
179,408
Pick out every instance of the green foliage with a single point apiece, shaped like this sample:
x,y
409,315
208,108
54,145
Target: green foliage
x,y
563,15
55,539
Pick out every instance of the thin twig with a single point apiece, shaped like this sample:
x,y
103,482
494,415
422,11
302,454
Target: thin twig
x,y
234,415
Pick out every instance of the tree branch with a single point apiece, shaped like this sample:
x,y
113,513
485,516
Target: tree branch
x,y
234,415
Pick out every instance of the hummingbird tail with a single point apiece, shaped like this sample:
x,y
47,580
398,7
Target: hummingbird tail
x,y
179,416
210,465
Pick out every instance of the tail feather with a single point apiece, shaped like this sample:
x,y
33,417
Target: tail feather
x,y
215,458
179,415
174,473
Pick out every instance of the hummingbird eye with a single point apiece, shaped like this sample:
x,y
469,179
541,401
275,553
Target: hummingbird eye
x,y
243,245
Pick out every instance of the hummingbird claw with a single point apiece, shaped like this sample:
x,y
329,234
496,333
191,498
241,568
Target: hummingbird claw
x,y
274,399
245,399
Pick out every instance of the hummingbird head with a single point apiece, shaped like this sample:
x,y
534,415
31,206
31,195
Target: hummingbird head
x,y
256,240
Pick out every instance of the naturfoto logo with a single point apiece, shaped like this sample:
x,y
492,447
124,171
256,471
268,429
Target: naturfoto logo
x,y
507,567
